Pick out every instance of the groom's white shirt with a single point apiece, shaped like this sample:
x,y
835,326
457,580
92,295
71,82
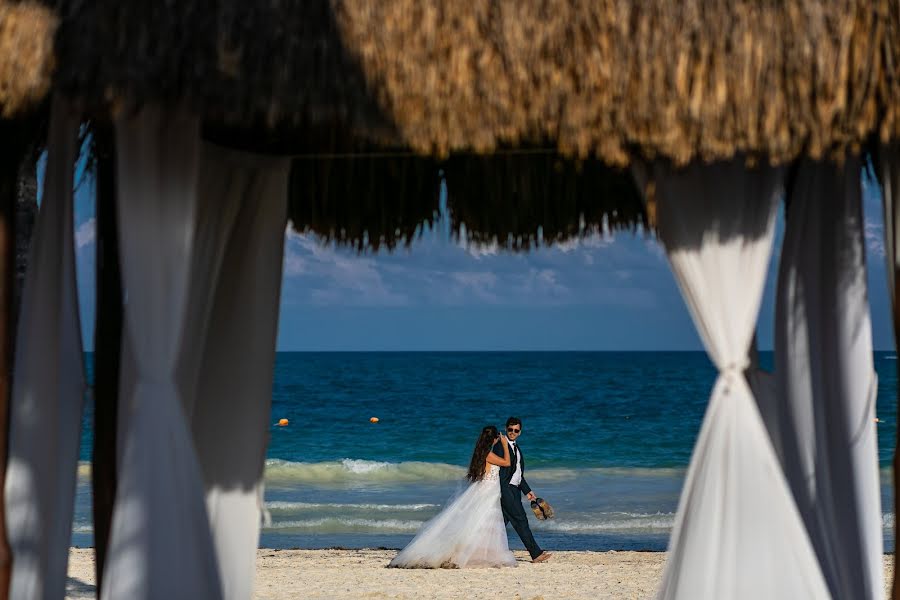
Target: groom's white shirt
x,y
517,476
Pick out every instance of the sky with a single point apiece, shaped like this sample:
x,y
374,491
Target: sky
x,y
600,293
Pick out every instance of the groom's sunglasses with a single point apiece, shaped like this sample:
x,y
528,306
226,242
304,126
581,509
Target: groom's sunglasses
x,y
511,430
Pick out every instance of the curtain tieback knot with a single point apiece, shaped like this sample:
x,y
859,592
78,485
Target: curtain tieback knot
x,y
736,367
733,372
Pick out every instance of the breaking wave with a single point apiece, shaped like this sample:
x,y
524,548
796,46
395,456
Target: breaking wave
x,y
351,470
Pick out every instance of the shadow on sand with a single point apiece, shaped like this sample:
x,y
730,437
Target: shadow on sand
x,y
76,588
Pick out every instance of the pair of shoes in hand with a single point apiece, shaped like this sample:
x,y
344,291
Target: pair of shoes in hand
x,y
542,510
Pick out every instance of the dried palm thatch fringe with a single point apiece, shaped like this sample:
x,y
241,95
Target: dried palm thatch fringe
x,y
26,56
519,201
515,200
367,202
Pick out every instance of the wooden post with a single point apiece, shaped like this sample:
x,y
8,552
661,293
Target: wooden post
x,y
9,168
895,588
107,350
887,176
895,304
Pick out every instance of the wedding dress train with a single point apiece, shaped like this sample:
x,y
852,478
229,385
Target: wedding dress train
x,y
468,532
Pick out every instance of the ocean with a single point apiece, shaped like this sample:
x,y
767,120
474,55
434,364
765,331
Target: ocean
x,y
607,437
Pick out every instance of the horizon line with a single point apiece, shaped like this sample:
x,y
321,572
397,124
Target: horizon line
x,y
501,350
494,351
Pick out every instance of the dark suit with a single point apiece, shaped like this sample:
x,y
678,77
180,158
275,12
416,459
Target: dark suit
x,y
511,500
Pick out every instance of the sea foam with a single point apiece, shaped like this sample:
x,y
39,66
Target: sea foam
x,y
348,525
349,470
325,506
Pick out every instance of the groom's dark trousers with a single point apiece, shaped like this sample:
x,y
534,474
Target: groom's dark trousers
x,y
511,503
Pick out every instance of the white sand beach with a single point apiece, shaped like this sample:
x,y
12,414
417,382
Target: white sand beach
x,y
346,574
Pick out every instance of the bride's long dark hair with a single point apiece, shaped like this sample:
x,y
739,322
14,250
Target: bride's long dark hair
x,y
482,447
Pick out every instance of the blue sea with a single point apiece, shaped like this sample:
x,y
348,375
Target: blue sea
x,y
607,438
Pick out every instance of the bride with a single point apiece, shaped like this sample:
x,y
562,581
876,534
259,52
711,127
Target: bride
x,y
469,532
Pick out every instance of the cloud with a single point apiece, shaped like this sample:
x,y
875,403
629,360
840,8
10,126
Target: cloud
x,y
541,286
86,233
874,233
622,270
325,275
294,265
479,250
594,240
474,285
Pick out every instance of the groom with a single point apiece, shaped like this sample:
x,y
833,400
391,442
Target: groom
x,y
512,483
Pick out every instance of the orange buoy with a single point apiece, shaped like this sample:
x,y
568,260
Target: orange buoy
x,y
373,420
282,422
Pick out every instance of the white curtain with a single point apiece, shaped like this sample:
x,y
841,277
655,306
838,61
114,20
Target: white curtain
x,y
737,533
48,386
237,287
218,204
825,378
160,542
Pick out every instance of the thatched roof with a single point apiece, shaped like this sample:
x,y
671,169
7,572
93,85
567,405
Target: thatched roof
x,y
604,78
581,80
26,56
680,80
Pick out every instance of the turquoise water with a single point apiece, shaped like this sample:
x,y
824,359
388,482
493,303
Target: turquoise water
x,y
607,437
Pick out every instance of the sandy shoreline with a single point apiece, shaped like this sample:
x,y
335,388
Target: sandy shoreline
x,y
337,574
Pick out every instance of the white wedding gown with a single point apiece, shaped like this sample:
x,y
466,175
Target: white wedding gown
x,y
468,533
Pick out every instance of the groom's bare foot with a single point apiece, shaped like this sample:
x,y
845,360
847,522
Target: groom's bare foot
x,y
544,556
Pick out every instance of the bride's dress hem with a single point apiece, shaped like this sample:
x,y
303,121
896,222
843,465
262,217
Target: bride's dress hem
x,y
468,533
450,566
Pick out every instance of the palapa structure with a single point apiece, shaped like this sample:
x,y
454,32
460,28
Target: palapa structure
x,y
574,80
545,120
